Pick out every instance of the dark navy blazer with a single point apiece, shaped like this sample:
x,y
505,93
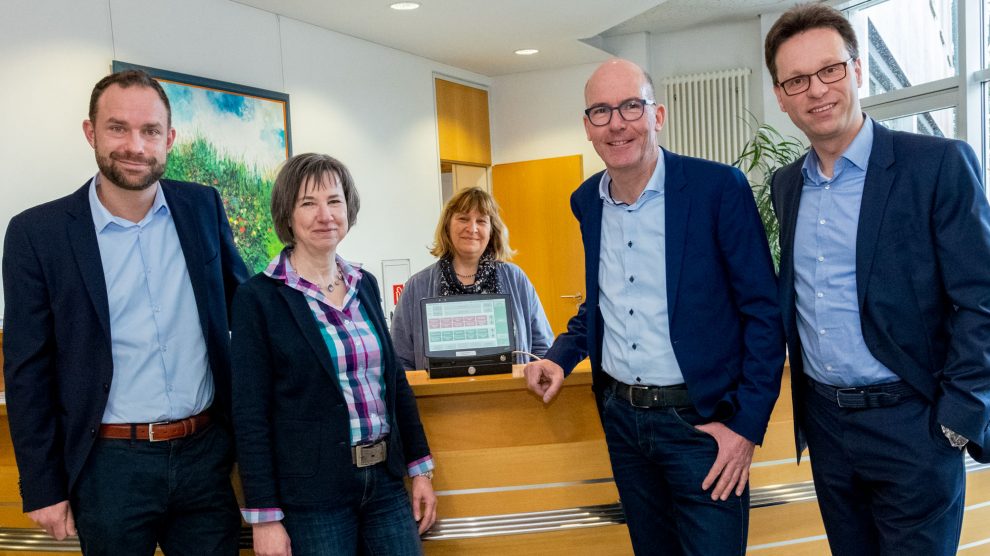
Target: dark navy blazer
x,y
290,417
721,294
922,274
57,357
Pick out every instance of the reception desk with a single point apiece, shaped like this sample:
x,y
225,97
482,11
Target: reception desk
x,y
515,476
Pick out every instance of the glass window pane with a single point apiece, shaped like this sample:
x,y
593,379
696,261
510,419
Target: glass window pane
x,y
986,133
986,33
905,42
941,123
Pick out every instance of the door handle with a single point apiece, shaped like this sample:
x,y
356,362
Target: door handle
x,y
576,297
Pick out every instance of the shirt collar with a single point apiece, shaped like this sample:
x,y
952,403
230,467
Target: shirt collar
x,y
103,218
857,153
281,269
654,186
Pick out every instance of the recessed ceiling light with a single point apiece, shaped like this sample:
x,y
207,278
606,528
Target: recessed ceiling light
x,y
404,5
526,51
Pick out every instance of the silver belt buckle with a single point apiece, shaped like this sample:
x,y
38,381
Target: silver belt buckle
x,y
151,431
632,397
365,455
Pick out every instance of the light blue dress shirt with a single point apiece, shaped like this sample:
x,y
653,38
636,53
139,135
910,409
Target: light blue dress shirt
x,y
632,283
825,270
160,366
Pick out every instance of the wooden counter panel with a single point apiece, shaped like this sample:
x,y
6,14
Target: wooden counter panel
x,y
522,501
521,465
612,540
510,418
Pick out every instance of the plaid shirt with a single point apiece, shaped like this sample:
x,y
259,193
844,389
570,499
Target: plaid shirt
x,y
356,351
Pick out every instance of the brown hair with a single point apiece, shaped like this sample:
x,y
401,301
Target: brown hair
x,y
466,200
125,79
801,18
290,180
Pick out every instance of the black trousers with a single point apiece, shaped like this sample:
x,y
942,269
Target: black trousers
x,y
132,495
888,481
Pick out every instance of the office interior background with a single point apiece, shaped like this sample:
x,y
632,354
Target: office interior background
x,y
361,81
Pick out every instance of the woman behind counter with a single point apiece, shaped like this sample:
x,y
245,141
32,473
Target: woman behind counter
x,y
325,422
472,244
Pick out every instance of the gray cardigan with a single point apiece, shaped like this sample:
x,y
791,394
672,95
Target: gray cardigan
x,y
532,329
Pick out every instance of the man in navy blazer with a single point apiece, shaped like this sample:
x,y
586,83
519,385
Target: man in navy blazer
x,y
885,294
116,348
681,325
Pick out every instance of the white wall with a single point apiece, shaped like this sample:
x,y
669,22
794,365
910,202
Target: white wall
x,y
538,114
371,106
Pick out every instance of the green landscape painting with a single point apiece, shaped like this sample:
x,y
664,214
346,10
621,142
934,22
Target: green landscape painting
x,y
233,138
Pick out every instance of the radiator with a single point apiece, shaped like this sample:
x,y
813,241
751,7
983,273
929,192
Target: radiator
x,y
707,114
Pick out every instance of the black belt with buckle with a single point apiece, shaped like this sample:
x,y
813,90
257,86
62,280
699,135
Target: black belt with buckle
x,y
646,397
864,397
366,455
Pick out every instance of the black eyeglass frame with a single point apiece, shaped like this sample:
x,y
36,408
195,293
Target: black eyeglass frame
x,y
845,71
613,109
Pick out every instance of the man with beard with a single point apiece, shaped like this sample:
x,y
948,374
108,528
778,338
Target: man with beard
x,y
116,345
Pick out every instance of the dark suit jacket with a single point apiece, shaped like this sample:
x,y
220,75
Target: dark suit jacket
x,y
290,417
724,322
922,274
57,359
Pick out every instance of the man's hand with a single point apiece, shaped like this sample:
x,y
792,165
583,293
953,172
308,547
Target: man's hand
x,y
731,466
271,539
56,520
424,502
544,378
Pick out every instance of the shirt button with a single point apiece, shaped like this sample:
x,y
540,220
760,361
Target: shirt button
x,y
634,346
822,221
821,259
828,187
631,311
822,331
158,308
828,367
630,244
632,278
820,294
164,349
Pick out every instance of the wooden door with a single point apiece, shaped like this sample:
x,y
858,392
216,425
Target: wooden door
x,y
535,199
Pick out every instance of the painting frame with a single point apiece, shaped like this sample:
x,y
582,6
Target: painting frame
x,y
232,137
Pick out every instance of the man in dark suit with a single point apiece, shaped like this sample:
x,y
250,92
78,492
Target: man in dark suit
x,y
885,293
116,347
680,323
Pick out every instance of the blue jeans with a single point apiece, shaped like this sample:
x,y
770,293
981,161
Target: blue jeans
x,y
380,524
659,461
132,495
888,481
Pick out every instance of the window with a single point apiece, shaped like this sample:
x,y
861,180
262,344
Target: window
x,y
926,66
940,123
905,42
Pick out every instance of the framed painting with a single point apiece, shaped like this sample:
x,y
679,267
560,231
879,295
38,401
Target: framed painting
x,y
231,137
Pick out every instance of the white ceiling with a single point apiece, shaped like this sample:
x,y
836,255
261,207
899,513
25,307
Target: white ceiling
x,y
482,35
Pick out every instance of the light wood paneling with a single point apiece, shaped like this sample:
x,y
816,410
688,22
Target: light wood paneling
x,y
463,124
534,196
595,541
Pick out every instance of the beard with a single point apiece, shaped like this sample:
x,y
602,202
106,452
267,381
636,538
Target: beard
x,y
108,167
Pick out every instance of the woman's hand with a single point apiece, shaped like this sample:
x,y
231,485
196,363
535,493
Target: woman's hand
x,y
424,502
270,539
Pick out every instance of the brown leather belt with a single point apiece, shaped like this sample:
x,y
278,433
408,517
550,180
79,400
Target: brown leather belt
x,y
156,432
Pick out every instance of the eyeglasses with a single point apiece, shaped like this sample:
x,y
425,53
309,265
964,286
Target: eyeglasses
x,y
828,74
630,109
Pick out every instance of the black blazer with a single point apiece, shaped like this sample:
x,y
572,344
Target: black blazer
x,y
922,274
57,360
290,419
